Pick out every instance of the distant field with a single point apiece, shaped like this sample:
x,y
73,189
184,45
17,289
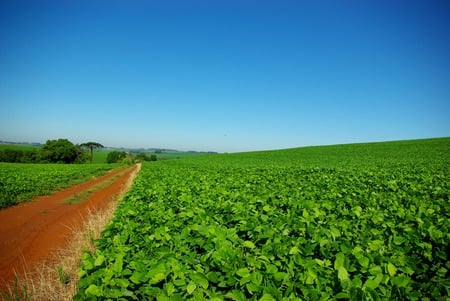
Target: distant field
x,y
408,152
17,147
100,156
343,222
179,155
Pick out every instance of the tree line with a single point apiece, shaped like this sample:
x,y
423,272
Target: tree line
x,y
53,151
124,157
64,151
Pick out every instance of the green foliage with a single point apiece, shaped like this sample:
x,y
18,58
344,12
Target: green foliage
x,y
20,156
63,276
100,156
354,222
142,157
22,182
91,146
116,156
14,153
179,155
61,151
15,146
129,160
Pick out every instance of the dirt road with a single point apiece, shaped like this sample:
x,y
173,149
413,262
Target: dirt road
x,y
30,232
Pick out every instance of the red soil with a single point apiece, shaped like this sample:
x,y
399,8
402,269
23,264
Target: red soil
x,y
30,232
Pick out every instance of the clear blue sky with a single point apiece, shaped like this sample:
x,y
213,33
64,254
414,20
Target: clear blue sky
x,y
224,75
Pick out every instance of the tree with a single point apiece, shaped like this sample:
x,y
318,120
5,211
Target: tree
x,y
141,157
10,155
115,156
91,146
61,151
30,156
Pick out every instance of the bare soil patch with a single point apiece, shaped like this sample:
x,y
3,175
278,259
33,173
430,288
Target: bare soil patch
x,y
31,232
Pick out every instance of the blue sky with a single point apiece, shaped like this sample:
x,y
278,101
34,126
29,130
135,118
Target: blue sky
x,y
224,75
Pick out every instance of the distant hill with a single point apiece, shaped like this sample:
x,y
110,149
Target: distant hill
x,y
34,144
154,150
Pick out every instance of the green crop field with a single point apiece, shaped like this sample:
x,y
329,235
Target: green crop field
x,y
20,147
100,156
21,182
179,155
344,222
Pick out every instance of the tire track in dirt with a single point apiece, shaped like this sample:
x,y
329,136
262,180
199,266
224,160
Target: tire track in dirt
x,y
30,232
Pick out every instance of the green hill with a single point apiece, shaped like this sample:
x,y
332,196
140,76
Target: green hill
x,y
375,154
